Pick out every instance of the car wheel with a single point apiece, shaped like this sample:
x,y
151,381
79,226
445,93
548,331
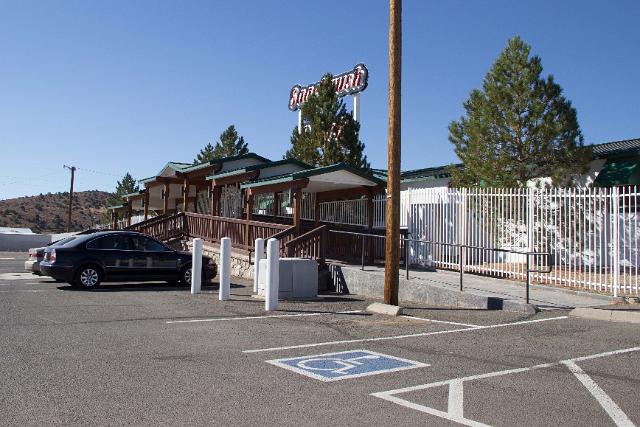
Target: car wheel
x,y
88,277
185,276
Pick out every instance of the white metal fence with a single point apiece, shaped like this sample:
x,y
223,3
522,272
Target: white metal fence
x,y
592,234
351,212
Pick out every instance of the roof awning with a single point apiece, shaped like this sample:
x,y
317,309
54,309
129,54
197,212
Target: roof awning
x,y
322,179
619,172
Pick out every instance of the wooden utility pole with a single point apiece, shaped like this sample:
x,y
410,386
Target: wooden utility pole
x,y
392,256
73,172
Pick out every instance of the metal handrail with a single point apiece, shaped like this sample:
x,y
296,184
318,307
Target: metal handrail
x,y
462,248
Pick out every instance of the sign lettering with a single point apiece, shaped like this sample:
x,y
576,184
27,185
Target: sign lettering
x,y
348,83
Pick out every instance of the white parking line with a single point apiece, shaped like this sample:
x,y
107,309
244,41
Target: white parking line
x,y
221,319
455,402
397,337
6,259
28,290
468,325
614,411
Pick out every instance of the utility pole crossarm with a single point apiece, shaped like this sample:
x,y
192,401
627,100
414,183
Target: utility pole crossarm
x,y
73,172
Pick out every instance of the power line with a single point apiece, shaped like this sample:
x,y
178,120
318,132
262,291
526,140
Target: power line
x,y
23,180
98,172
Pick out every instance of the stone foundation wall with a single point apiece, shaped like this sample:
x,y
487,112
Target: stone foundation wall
x,y
240,263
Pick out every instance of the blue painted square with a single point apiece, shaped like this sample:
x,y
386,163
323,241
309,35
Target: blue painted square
x,y
345,364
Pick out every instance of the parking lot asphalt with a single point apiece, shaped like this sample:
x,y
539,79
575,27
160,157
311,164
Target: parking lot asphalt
x,y
153,354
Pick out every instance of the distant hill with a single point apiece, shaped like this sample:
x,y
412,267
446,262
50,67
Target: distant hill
x,y
48,212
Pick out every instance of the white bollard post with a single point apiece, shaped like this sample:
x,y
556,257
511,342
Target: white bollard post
x,y
196,266
273,275
225,269
259,246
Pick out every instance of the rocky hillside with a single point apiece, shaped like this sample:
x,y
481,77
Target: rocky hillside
x,y
48,212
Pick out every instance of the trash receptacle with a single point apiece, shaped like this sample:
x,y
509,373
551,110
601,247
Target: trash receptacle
x,y
298,278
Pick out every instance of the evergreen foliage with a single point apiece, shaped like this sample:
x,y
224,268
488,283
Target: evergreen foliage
x,y
230,144
205,155
126,186
518,127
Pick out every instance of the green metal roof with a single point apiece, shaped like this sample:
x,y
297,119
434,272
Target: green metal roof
x,y
176,166
117,206
271,180
313,172
419,174
192,168
259,167
135,193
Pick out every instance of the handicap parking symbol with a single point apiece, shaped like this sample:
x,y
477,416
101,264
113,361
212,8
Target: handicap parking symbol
x,y
346,364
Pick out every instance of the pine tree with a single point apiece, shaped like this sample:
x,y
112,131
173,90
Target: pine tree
x,y
127,185
518,127
330,134
205,155
230,144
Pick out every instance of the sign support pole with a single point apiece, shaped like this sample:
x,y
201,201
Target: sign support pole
x,y
300,121
356,107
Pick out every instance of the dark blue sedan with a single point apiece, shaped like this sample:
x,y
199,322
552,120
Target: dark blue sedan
x,y
120,256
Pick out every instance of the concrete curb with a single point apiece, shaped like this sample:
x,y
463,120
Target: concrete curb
x,y
369,284
618,315
389,310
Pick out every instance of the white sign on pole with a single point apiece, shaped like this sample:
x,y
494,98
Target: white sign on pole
x,y
259,251
196,266
225,269
273,275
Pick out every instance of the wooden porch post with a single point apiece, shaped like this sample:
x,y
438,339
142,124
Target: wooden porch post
x,y
129,212
297,208
114,219
185,196
247,238
317,210
195,201
165,197
276,204
146,204
213,200
213,209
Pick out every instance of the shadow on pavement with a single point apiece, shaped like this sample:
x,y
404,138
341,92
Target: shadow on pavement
x,y
144,287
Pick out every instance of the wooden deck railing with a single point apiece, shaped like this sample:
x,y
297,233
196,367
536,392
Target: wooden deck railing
x,y
142,225
163,227
309,245
241,232
284,237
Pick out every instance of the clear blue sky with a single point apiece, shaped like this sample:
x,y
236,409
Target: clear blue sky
x,y
116,86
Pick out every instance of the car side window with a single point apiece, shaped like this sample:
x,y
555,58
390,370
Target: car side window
x,y
115,242
138,243
147,245
154,246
